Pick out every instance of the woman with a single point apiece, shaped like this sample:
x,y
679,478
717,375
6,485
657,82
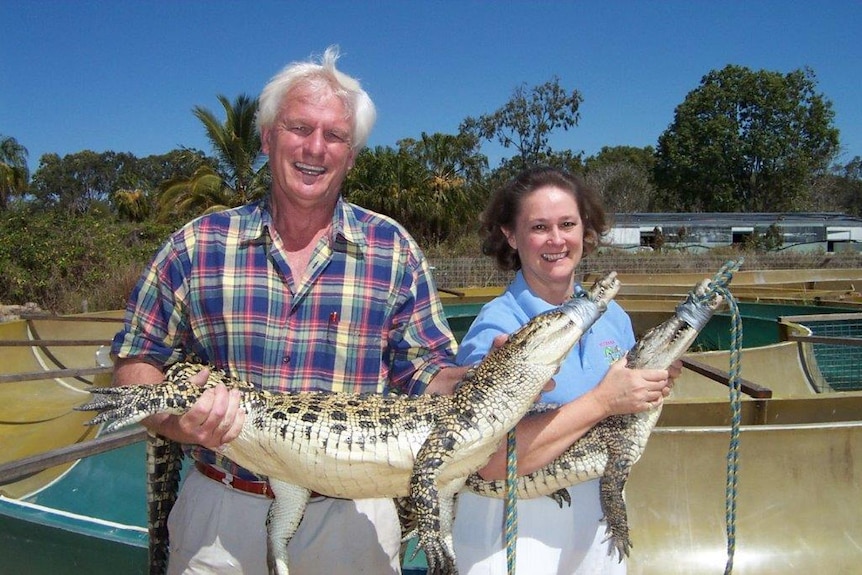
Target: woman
x,y
541,225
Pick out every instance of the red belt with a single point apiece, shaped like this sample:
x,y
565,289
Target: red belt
x,y
256,487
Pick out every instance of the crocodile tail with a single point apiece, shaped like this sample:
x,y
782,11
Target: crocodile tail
x,y
164,463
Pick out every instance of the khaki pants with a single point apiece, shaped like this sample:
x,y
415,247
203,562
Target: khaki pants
x,y
215,529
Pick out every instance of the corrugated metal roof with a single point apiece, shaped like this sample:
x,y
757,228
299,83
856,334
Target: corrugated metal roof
x,y
759,219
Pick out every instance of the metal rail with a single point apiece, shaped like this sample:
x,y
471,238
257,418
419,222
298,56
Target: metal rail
x,y
52,342
747,387
54,373
21,468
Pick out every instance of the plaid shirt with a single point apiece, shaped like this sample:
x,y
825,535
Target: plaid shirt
x,y
366,318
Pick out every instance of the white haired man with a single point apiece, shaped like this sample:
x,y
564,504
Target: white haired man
x,y
300,291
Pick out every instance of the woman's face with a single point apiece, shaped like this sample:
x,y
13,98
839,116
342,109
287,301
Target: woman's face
x,y
549,238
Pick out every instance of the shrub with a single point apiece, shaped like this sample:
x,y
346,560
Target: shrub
x,y
58,260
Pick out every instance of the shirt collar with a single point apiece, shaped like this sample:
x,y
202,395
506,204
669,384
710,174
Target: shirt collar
x,y
253,227
530,302
345,226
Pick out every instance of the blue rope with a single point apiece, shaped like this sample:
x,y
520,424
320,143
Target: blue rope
x,y
719,285
511,515
736,418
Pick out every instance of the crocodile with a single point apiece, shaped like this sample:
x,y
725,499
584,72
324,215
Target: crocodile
x,y
371,445
610,448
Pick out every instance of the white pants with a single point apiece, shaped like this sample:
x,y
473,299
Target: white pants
x,y
551,541
215,529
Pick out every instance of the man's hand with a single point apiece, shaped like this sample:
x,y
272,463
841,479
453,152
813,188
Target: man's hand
x,y
214,420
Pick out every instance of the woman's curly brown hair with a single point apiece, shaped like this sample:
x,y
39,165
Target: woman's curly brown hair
x,y
502,211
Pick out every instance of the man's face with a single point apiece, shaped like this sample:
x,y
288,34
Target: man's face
x,y
309,147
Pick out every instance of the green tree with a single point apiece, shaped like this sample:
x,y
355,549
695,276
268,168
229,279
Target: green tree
x,y
158,168
204,192
396,183
136,198
641,158
14,173
132,204
746,141
841,189
126,184
849,186
238,175
622,175
527,120
449,157
78,182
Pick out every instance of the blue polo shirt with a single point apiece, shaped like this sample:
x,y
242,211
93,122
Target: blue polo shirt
x,y
609,339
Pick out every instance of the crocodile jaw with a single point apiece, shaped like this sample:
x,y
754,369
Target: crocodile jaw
x,y
668,341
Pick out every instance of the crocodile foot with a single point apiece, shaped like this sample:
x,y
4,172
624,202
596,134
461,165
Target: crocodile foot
x,y
440,559
618,535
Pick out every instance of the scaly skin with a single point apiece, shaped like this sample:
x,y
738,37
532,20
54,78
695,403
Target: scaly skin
x,y
164,462
609,450
361,446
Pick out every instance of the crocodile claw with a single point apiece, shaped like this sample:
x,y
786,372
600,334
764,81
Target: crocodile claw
x,y
441,561
561,496
620,541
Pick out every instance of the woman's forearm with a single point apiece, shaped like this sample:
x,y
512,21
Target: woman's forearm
x,y
542,437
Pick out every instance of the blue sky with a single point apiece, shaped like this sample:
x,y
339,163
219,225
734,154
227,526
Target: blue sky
x,y
125,75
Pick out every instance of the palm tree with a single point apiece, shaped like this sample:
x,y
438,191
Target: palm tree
x,y
448,157
14,174
203,193
132,204
237,175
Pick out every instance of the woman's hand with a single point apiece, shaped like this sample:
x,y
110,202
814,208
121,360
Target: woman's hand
x,y
624,390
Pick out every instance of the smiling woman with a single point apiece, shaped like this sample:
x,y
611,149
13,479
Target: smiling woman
x,y
541,225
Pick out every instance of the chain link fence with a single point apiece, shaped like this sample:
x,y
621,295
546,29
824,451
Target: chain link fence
x,y
464,272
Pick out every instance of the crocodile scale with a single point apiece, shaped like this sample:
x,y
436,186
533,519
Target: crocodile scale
x,y
372,445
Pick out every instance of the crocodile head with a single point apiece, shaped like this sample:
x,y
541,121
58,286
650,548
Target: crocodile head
x,y
666,342
548,337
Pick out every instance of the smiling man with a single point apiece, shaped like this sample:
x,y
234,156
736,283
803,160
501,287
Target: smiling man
x,y
300,291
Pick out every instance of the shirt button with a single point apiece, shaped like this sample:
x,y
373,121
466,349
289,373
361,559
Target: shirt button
x,y
285,359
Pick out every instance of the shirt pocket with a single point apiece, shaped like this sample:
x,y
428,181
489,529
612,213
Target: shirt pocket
x,y
357,357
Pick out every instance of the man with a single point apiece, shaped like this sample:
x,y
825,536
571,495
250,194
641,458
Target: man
x,y
301,291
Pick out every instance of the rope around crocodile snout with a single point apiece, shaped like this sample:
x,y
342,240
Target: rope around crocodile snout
x,y
718,285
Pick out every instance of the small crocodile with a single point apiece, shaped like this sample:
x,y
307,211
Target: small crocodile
x,y
609,449
370,445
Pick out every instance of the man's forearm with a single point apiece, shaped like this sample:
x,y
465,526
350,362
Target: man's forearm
x,y
132,371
